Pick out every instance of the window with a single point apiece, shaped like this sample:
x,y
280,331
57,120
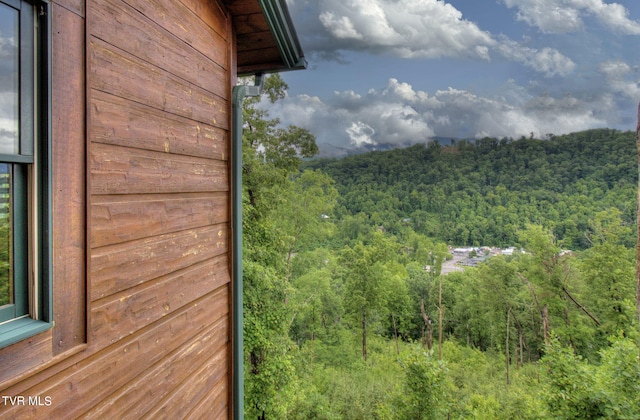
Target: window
x,y
25,285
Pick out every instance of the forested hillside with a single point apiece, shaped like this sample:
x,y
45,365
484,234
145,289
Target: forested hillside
x,y
348,320
482,193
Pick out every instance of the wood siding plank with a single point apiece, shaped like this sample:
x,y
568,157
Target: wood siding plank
x,y
118,219
121,170
87,383
210,12
159,47
121,74
176,18
250,23
120,122
256,41
132,311
240,7
120,267
25,356
141,137
214,405
192,390
184,364
75,6
68,180
261,55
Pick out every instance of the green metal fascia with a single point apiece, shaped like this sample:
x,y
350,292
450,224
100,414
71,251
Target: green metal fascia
x,y
239,93
46,184
238,322
279,20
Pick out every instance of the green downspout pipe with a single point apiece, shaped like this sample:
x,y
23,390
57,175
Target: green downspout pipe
x,y
239,93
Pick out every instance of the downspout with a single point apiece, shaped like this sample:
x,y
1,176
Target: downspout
x,y
239,93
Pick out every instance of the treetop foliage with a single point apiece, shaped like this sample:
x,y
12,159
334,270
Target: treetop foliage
x,y
350,315
484,192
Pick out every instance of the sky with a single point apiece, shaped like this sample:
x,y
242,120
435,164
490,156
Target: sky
x,y
399,72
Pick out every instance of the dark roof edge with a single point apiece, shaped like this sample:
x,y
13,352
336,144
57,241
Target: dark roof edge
x,y
277,15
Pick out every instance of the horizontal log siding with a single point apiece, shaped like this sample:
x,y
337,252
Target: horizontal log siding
x,y
159,198
101,377
148,202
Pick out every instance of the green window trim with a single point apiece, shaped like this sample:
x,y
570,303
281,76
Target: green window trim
x,y
31,181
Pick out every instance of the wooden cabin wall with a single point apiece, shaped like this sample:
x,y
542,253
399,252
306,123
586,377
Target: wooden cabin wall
x,y
146,217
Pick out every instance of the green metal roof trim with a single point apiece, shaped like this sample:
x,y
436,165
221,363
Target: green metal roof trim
x,y
277,15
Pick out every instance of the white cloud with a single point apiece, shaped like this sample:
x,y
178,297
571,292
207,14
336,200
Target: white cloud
x,y
622,78
562,16
404,28
340,27
421,29
398,114
548,61
360,134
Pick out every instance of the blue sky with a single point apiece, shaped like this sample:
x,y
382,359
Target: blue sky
x,y
403,71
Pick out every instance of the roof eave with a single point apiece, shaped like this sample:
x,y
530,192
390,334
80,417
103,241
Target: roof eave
x,y
276,14
281,24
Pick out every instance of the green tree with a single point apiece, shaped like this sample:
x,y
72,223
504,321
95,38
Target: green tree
x,y
551,278
568,384
426,388
270,155
303,215
618,379
366,280
608,270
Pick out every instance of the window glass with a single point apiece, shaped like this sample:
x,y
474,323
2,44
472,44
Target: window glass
x,y
9,79
9,141
18,220
6,275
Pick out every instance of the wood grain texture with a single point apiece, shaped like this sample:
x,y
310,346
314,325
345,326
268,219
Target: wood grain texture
x,y
120,122
21,358
120,267
68,172
130,312
77,389
247,24
205,351
186,25
121,74
161,48
243,7
213,13
75,6
263,39
215,404
178,404
121,170
264,54
117,219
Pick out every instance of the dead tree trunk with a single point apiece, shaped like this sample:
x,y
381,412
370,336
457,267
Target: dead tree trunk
x,y
544,312
579,305
364,333
507,356
545,324
440,318
521,338
427,323
395,332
